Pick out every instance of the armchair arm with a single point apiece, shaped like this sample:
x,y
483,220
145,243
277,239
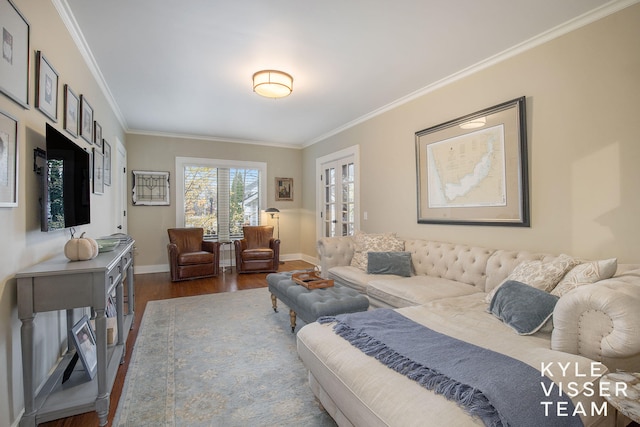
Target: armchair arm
x,y
239,246
600,321
172,249
335,251
214,248
211,246
274,244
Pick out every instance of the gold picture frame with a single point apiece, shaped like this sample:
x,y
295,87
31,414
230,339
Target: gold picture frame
x,y
284,189
473,170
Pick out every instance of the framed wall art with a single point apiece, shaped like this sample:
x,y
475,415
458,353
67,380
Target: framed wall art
x,y
8,161
46,87
97,134
107,162
71,110
150,188
284,189
473,170
84,341
86,120
98,171
14,64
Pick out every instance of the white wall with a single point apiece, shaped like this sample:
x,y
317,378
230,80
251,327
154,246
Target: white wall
x,y
23,244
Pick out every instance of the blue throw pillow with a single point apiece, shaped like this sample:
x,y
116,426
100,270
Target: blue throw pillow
x,y
398,263
524,308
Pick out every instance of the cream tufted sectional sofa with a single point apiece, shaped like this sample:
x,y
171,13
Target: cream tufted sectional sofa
x,y
447,292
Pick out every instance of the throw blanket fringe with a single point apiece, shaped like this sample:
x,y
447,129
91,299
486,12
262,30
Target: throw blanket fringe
x,y
473,401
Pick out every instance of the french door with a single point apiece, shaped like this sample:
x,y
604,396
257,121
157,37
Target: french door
x,y
338,194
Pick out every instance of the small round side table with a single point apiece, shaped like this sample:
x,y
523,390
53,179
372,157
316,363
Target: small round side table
x,y
623,393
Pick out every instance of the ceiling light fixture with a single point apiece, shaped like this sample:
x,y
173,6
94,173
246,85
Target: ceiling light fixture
x,y
478,122
272,83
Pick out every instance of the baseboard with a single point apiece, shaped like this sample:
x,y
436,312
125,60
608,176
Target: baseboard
x,y
146,269
164,268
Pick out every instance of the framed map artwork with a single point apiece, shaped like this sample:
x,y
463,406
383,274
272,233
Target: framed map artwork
x,y
473,170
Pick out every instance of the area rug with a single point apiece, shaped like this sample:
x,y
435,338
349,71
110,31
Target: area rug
x,y
217,360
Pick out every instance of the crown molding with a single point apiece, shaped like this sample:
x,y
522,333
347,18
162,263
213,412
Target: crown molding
x,y
560,30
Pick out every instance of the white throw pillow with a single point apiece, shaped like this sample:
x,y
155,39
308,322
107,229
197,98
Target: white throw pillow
x,y
541,275
586,273
365,243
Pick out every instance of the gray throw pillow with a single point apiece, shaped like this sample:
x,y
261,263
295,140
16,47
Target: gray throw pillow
x,y
398,263
524,308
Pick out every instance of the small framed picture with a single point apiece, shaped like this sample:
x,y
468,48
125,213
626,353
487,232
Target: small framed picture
x,y
107,163
97,134
46,87
71,109
86,120
98,171
14,63
150,188
8,161
85,342
284,189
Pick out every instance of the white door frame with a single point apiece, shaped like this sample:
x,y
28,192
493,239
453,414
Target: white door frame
x,y
121,187
354,152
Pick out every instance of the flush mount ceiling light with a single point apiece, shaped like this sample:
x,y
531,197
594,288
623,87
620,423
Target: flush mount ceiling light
x,y
272,83
478,122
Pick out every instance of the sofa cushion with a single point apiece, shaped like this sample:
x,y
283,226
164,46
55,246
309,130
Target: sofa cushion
x,y
539,274
524,308
364,243
585,273
398,263
415,290
355,278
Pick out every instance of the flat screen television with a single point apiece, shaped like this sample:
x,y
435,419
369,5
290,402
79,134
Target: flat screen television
x,y
66,195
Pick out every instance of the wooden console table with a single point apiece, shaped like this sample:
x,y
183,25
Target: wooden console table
x,y
59,284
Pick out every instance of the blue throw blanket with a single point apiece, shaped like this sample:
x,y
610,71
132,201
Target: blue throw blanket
x,y
499,389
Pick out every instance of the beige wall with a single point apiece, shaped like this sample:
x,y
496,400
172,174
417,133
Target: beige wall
x,y
148,224
23,244
582,94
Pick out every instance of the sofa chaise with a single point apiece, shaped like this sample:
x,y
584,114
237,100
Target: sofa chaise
x,y
466,294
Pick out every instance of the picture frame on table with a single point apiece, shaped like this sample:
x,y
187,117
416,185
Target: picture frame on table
x,y
14,62
46,87
86,120
71,111
284,189
107,162
84,340
8,161
97,134
98,171
473,170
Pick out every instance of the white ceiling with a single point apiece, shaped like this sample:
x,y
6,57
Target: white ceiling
x,y
185,67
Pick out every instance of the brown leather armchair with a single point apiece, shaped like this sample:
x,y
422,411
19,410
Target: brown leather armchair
x,y
258,251
190,256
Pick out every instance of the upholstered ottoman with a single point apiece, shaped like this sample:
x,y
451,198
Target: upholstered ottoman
x,y
310,304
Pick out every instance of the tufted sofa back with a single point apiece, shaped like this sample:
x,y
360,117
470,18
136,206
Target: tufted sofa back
x,y
462,263
481,267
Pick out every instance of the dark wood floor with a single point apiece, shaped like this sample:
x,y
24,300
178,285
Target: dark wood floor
x,y
158,286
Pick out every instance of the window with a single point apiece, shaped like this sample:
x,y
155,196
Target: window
x,y
219,195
